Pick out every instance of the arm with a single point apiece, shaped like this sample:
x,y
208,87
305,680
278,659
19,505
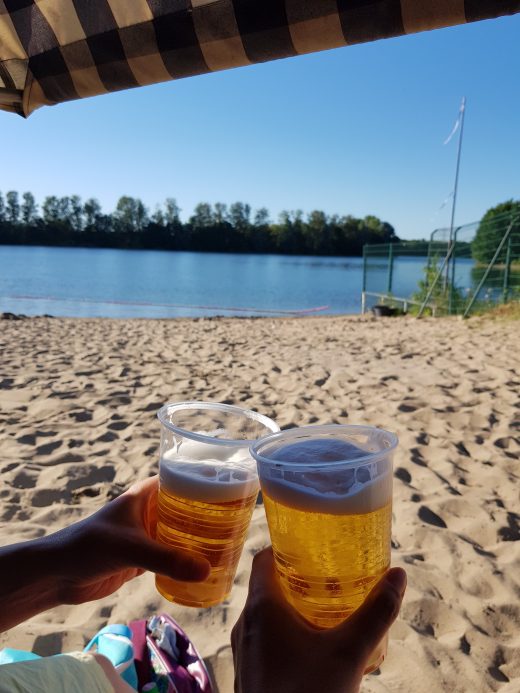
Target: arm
x,y
91,558
27,586
275,650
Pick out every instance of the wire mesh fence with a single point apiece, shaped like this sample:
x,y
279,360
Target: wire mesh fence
x,y
465,271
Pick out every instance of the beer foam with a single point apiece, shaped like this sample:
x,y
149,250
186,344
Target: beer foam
x,y
210,474
334,490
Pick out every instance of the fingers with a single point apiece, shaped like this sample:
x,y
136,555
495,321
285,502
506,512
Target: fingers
x,y
144,487
138,504
367,626
178,565
263,583
265,592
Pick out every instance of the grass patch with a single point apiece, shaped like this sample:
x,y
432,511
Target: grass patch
x,y
504,311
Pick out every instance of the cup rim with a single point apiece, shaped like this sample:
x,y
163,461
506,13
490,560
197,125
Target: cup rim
x,y
307,431
229,408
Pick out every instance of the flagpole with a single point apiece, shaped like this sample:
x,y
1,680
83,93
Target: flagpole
x,y
454,203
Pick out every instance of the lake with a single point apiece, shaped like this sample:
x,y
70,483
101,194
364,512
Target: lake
x,y
99,282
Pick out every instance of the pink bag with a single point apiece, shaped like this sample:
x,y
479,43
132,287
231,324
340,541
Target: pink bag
x,y
164,654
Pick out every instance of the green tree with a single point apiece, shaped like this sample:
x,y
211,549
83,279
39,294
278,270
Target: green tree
x,y
12,207
65,211
261,218
51,211
2,208
317,232
131,214
220,213
158,217
172,212
92,213
440,294
491,230
29,209
202,216
260,239
76,213
288,233
239,216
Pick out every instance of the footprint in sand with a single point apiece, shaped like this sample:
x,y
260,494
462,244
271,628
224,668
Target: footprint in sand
x,y
48,447
47,496
423,438
118,425
494,670
107,437
417,457
81,416
25,480
413,558
464,645
115,401
29,439
462,449
152,406
431,518
403,474
90,475
407,408
512,531
8,468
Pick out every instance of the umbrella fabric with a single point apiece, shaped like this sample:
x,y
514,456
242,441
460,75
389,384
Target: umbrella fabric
x,y
57,50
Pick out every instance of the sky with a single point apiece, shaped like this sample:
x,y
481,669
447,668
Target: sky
x,y
356,130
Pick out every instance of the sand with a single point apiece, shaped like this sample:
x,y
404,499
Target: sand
x,y
78,400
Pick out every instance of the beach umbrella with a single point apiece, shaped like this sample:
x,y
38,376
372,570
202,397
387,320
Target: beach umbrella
x,y
58,50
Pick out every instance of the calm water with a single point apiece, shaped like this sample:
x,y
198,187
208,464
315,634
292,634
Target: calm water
x,y
145,283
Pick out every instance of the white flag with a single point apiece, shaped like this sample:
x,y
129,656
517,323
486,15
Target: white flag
x,y
446,201
458,121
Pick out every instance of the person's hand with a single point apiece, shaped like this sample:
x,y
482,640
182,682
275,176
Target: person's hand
x,y
94,557
275,650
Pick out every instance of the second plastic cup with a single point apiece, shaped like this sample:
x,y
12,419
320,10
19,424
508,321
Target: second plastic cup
x,y
327,492
208,485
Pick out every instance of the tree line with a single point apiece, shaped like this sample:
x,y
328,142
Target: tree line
x,y
70,221
492,228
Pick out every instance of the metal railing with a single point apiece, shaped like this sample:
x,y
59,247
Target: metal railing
x,y
478,269
387,299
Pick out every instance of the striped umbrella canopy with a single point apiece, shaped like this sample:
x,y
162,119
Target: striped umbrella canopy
x,y
57,50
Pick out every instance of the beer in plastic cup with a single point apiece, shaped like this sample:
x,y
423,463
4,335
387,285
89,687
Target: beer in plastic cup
x,y
208,485
327,492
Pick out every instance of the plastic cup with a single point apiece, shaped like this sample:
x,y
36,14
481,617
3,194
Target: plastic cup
x,y
208,485
327,492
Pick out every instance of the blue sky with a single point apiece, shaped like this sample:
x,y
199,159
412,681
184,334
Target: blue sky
x,y
357,130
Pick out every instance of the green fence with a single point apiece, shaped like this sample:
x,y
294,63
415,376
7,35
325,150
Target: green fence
x,y
466,271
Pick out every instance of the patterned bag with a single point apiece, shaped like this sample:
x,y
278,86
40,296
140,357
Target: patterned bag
x,y
164,654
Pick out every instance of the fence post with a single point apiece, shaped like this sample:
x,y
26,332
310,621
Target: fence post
x,y
491,264
390,269
434,283
364,287
507,271
365,267
452,272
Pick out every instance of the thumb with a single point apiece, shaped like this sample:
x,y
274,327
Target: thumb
x,y
174,563
364,630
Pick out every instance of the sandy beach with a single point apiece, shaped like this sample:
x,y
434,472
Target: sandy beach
x,y
78,402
